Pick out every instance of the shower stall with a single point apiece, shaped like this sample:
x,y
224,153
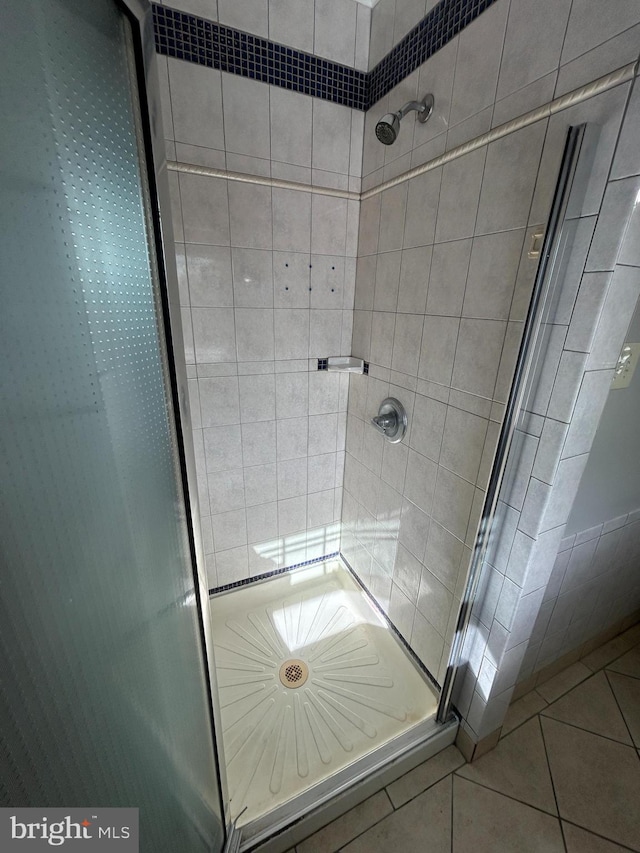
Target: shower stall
x,y
278,370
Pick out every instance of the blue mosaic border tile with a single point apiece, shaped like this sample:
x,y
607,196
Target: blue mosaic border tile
x,y
184,36
246,581
443,23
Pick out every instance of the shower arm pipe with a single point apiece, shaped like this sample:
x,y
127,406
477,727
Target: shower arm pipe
x,y
418,106
602,84
523,374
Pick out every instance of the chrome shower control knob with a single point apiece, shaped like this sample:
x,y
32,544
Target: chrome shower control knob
x,y
391,420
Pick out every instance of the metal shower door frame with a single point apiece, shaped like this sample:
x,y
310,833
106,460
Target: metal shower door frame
x,y
147,86
524,375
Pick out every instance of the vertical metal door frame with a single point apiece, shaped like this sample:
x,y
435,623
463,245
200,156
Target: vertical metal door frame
x,y
524,373
139,14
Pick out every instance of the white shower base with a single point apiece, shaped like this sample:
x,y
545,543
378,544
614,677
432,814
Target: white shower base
x,y
361,688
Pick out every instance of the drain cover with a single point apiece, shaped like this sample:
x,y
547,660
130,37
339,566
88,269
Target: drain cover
x,y
294,673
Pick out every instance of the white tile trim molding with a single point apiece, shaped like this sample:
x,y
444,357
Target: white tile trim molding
x,y
577,96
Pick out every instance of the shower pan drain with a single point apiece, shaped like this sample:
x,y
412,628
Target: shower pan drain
x,y
294,673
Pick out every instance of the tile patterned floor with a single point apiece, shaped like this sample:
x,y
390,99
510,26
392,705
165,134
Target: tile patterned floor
x,y
565,776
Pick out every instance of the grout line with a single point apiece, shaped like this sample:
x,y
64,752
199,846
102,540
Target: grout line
x,y
564,39
597,834
261,180
507,796
622,714
452,813
553,784
589,732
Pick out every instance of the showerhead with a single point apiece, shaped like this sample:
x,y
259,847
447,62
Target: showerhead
x,y
388,127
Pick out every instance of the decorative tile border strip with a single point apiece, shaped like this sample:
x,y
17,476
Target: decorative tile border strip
x,y
602,84
443,23
279,183
184,36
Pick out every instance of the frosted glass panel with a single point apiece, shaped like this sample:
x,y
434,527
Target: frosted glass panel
x,y
102,696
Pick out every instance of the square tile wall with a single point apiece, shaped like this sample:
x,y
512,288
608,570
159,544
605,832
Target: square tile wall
x,y
594,583
390,265
442,289
267,280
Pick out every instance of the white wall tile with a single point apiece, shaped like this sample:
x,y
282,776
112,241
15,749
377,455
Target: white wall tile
x,y
229,529
209,274
525,59
258,442
252,278
439,338
213,334
254,334
477,355
452,502
328,225
587,28
226,491
476,76
292,438
222,447
491,278
331,136
509,179
246,115
291,22
335,30
196,102
459,196
205,210
292,478
250,216
257,398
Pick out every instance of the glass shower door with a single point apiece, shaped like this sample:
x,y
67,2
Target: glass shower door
x,y
103,689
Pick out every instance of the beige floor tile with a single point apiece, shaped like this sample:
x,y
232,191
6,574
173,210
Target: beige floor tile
x,y
627,692
424,776
580,841
611,650
591,706
596,780
342,830
522,710
487,822
628,664
563,681
424,823
517,767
